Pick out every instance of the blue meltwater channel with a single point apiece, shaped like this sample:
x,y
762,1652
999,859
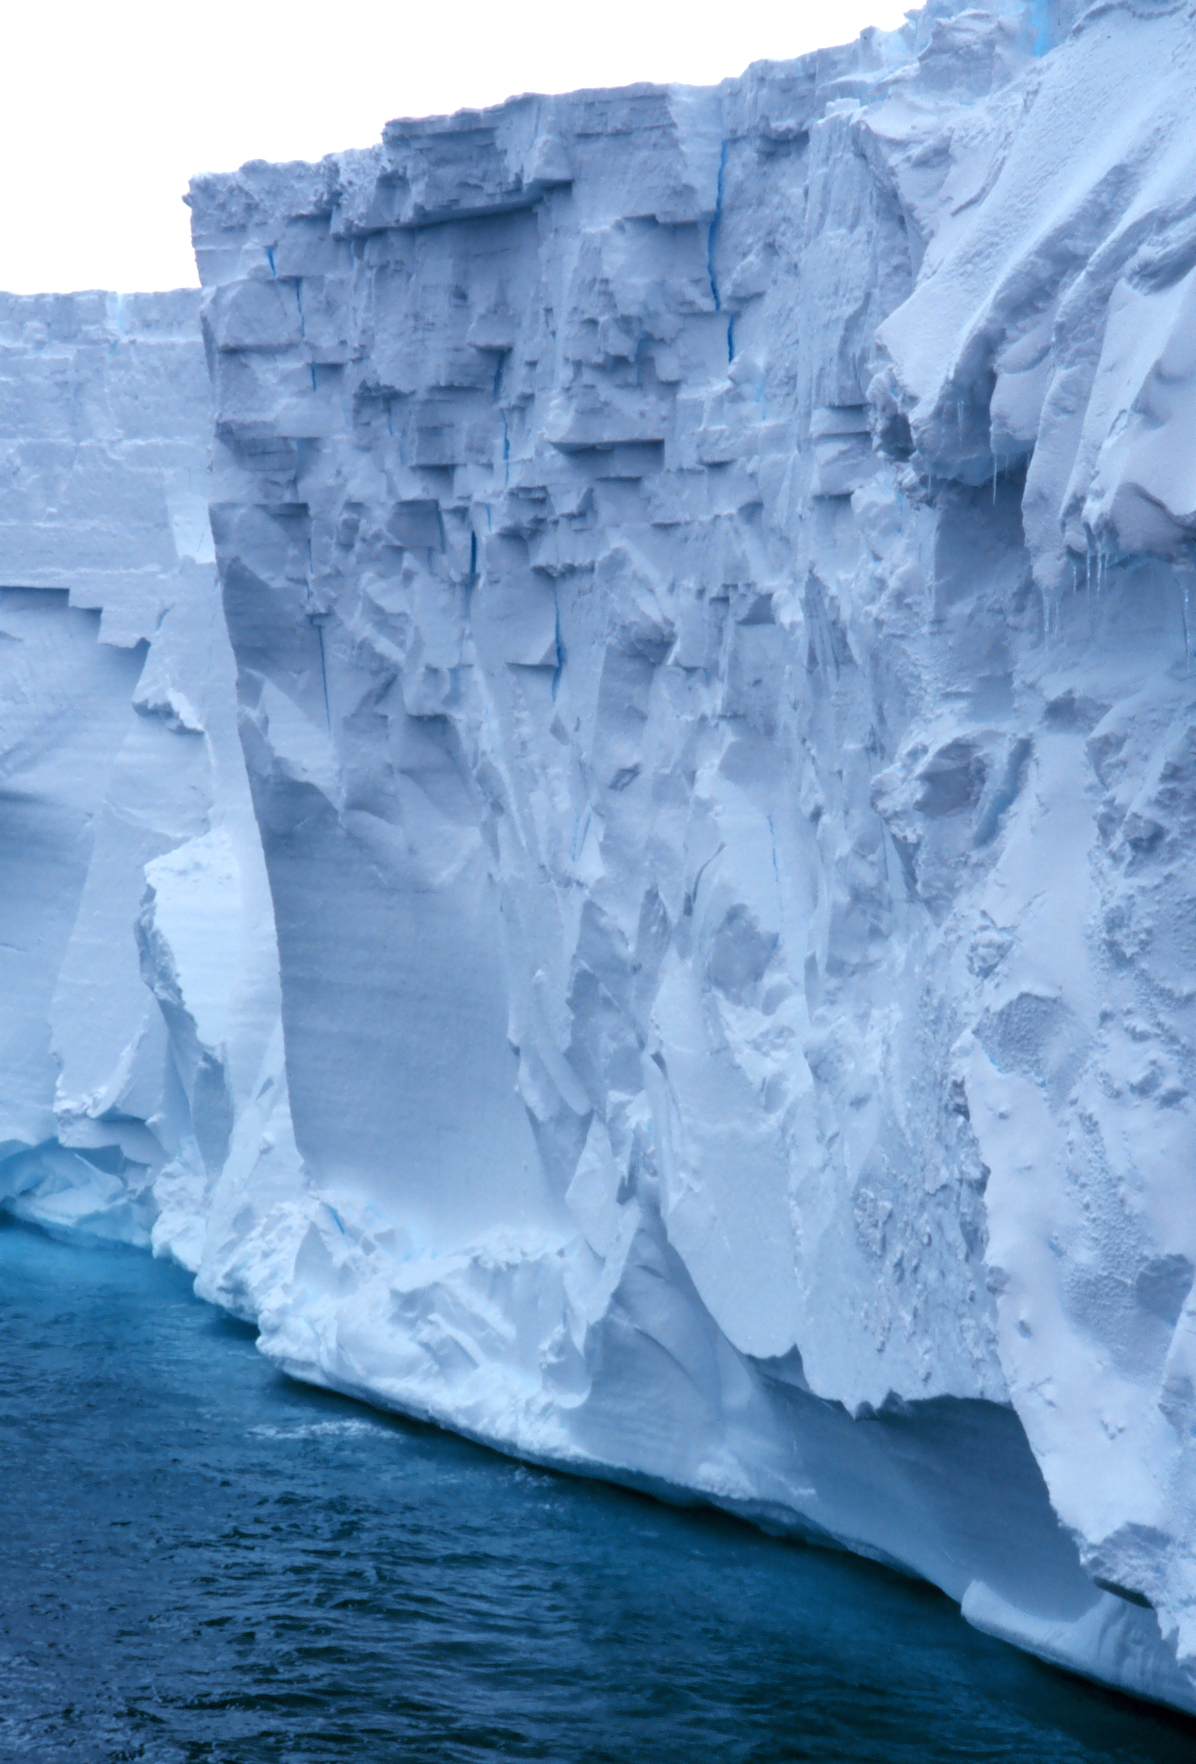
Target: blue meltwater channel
x,y
200,1560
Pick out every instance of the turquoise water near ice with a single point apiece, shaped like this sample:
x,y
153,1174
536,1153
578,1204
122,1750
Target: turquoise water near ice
x,y
202,1561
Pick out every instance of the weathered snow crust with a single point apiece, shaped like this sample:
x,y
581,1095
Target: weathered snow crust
x,y
707,576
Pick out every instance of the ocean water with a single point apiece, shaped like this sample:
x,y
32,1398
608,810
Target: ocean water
x,y
200,1560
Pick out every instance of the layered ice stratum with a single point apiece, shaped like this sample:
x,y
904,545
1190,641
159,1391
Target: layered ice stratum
x,y
658,926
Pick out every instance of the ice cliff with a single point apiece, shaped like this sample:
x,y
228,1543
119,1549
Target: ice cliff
x,y
140,1039
708,578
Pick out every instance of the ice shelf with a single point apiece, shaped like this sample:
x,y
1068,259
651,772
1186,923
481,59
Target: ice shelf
x,y
689,971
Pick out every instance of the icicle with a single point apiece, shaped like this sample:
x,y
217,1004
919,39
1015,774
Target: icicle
x,y
1051,617
1183,613
1186,573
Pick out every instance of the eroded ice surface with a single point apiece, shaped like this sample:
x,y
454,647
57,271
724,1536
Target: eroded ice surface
x,y
708,576
140,1044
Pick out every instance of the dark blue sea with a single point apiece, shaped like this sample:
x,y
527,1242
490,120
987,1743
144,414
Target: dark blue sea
x,y
201,1561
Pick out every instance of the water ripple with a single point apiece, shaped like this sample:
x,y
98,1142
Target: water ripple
x,y
203,1563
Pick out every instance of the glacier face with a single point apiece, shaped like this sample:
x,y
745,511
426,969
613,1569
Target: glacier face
x,y
708,577
140,1033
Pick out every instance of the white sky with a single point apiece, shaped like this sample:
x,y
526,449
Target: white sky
x,y
106,109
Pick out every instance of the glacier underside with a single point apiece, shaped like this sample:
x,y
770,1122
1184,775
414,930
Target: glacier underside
x,y
688,972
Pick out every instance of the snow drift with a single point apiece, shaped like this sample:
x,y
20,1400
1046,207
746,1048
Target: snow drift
x,y
708,577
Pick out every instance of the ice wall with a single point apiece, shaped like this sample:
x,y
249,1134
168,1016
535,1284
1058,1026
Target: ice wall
x,y
139,1006
708,576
